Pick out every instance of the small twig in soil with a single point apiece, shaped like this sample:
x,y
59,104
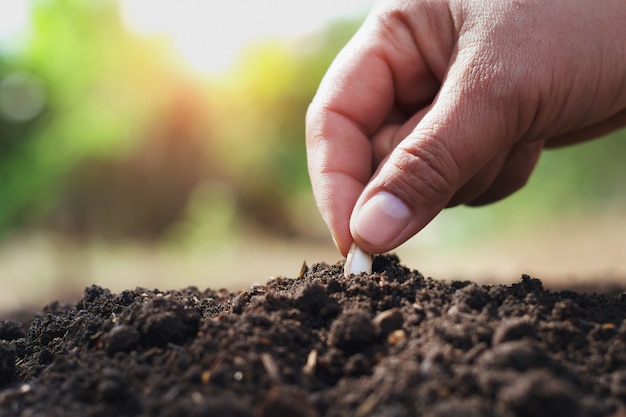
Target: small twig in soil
x,y
311,363
270,367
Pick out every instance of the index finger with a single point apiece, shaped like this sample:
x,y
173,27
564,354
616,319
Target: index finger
x,y
374,73
340,121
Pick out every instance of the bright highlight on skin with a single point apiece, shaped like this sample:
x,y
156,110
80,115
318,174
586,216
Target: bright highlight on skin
x,y
357,261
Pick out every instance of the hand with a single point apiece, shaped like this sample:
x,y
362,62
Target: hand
x,y
438,103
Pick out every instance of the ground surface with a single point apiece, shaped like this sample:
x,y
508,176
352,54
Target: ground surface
x,y
564,252
391,344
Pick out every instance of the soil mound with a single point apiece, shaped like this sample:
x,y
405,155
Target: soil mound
x,y
392,344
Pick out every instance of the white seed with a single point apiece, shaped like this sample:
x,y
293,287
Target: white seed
x,y
357,261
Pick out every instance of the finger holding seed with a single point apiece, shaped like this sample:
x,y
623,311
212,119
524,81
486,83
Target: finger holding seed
x,y
357,261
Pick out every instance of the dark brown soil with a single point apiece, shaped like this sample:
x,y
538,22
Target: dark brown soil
x,y
390,344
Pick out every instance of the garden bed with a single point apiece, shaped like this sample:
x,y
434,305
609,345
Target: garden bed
x,y
392,344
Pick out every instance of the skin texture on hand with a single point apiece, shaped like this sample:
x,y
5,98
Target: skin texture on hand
x,y
439,103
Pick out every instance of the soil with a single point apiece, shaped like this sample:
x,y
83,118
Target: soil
x,y
392,344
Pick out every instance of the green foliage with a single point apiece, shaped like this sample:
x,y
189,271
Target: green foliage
x,y
93,104
126,139
127,143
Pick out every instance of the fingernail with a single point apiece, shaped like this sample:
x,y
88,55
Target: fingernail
x,y
381,219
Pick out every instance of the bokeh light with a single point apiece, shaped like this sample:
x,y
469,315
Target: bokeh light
x,y
22,97
210,35
14,19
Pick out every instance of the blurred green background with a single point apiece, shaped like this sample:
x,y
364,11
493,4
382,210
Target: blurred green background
x,y
162,144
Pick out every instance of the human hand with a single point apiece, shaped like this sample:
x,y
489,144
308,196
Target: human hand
x,y
439,103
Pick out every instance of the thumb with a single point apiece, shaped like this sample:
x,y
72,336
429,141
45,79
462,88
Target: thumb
x,y
463,131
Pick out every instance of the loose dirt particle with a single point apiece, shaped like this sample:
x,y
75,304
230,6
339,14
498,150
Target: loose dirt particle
x,y
352,331
388,321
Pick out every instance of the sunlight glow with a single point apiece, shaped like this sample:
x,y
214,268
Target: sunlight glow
x,y
209,35
14,19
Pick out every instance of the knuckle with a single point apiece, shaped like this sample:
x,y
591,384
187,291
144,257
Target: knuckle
x,y
426,172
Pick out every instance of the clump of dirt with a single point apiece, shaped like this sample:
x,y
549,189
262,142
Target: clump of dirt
x,y
391,343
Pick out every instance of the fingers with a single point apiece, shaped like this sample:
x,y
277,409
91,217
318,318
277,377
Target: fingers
x,y
355,98
338,148
513,175
390,135
510,169
615,122
480,182
465,130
